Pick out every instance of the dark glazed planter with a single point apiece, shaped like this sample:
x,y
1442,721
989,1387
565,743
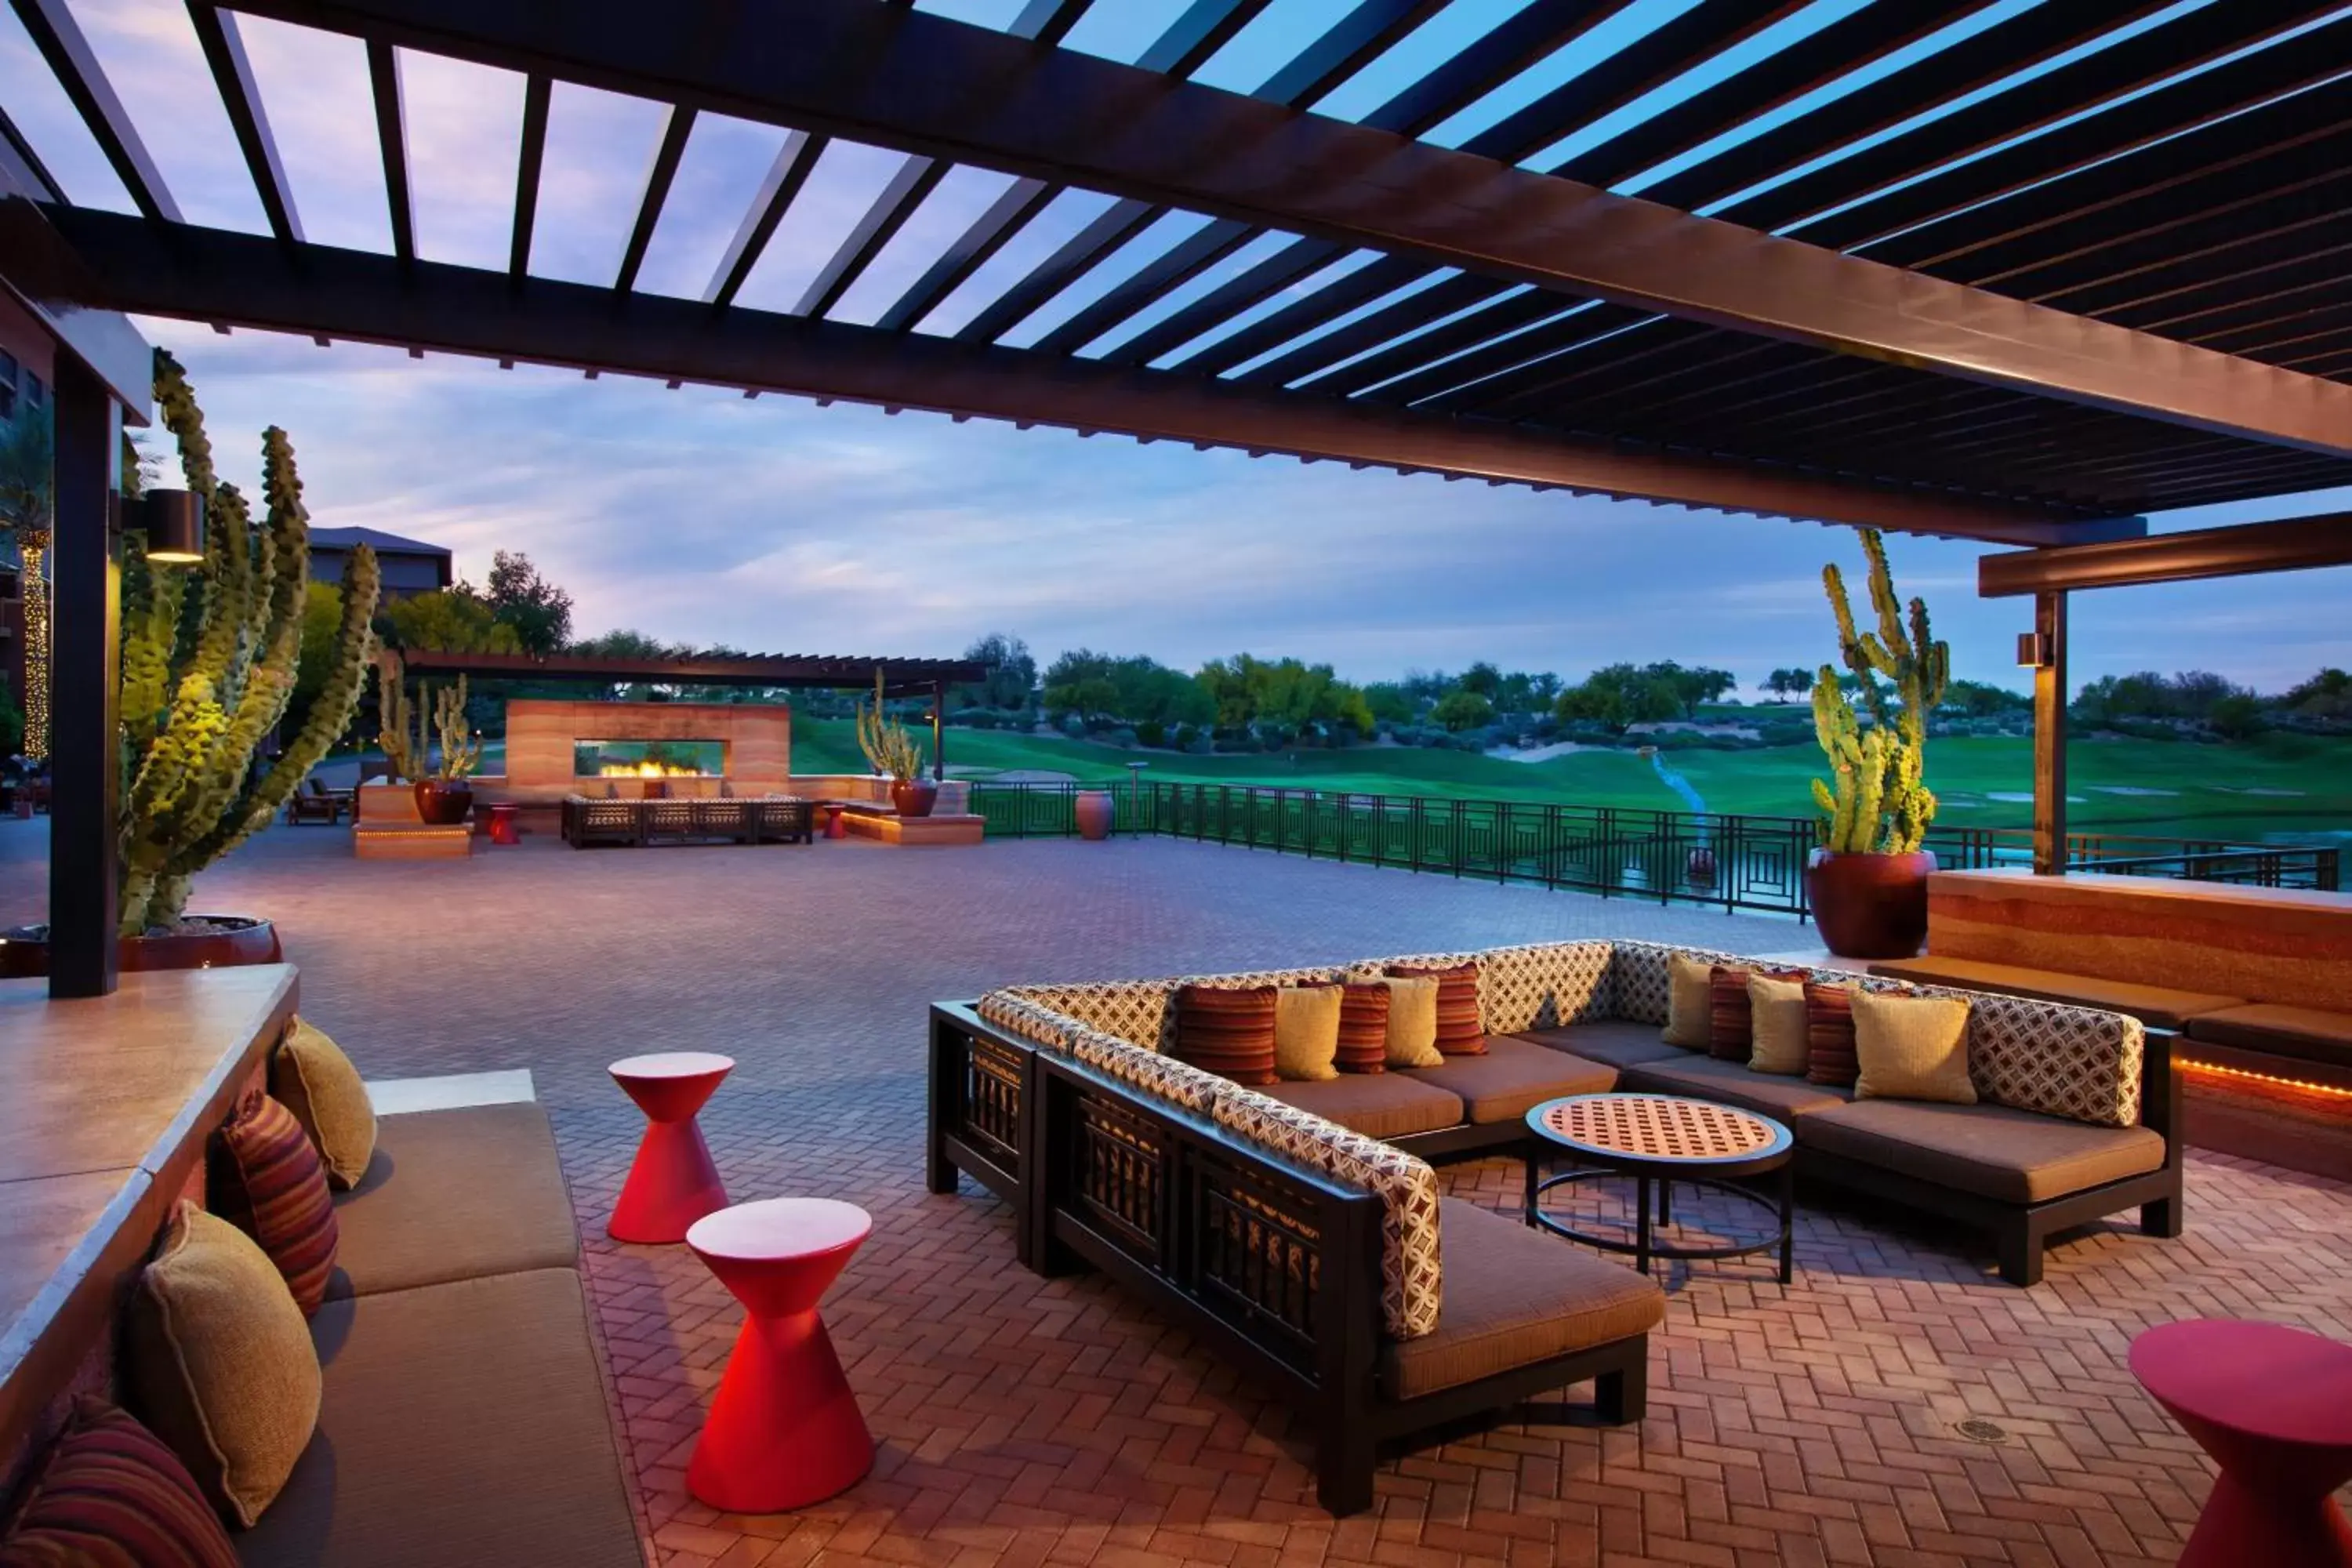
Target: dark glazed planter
x,y
443,803
1870,906
913,797
241,940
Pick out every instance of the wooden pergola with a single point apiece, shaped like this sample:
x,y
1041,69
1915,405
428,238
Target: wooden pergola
x,y
1871,278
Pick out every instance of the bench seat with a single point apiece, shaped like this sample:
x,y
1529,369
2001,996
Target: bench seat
x,y
2158,1006
1995,1151
1778,1095
1378,1105
1513,1077
1612,1042
2306,1034
454,1194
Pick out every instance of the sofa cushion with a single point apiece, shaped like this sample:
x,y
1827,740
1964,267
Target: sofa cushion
x,y
1227,1030
1307,1032
109,1494
1413,1023
1140,1012
1459,1031
1009,1009
1780,1039
1829,1035
1377,1105
1994,1151
1545,985
2158,1006
311,1077
2077,1062
1515,1296
1608,1041
264,1176
1912,1048
1690,1003
1730,1013
1637,984
1177,1082
1363,1027
1513,1076
2306,1034
1732,1083
454,1194
462,1423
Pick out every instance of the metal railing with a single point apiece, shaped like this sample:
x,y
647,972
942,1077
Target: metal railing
x,y
1706,858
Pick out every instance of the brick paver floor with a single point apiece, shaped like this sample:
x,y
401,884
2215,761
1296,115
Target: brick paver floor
x,y
1027,1421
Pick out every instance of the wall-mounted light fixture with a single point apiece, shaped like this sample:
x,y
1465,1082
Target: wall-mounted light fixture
x,y
173,521
2033,650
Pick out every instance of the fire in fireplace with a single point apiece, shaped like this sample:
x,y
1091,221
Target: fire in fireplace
x,y
648,759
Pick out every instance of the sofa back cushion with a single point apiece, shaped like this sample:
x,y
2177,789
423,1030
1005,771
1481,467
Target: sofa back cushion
x,y
1636,981
1163,1077
1140,1012
1544,985
1010,1007
1411,1288
2077,1062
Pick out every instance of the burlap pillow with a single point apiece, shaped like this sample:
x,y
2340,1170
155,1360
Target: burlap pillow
x,y
310,1077
1307,1032
1780,1039
1689,1004
1912,1048
1413,1023
220,1364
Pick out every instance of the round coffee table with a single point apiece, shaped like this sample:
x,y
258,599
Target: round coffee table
x,y
2272,1406
785,1430
1665,1139
672,1182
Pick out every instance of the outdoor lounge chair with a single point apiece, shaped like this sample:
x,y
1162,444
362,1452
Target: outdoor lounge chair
x,y
314,802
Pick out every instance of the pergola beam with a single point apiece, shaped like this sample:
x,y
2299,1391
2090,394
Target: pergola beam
x,y
217,276
2241,550
900,677
941,88
55,33
241,96
530,158
392,136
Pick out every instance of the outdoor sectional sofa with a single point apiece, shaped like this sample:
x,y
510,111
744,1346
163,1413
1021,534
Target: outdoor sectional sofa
x,y
686,819
1300,1229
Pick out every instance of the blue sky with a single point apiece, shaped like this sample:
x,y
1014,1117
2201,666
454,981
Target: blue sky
x,y
774,525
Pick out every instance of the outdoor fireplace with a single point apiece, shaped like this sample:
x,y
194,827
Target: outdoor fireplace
x,y
648,759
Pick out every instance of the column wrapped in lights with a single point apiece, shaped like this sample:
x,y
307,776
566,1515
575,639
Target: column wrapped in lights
x,y
33,545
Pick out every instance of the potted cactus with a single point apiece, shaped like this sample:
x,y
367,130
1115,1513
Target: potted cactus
x,y
443,795
209,655
1867,883
892,750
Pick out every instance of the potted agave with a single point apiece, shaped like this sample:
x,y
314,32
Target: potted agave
x,y
443,795
891,749
1867,883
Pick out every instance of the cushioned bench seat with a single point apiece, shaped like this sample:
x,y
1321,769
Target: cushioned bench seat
x,y
1514,1077
1514,1296
2158,1006
2306,1034
1377,1105
460,1423
1782,1098
1611,1042
2014,1156
454,1194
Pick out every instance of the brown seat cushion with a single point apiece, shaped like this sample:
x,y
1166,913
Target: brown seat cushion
x,y
2306,1034
1513,1076
1612,1043
2158,1006
454,1194
462,1423
1377,1105
1995,1151
1514,1296
1734,1083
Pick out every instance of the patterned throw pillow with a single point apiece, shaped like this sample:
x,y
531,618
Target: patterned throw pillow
x,y
1730,1021
111,1495
1460,1032
265,1179
1829,1036
1228,1031
1363,1028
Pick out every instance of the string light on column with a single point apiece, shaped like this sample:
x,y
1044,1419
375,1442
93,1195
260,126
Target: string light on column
x,y
35,547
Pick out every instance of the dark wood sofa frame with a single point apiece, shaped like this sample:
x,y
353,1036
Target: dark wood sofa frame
x,y
1275,1267
698,819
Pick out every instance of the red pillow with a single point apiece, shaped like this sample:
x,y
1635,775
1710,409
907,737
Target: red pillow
x,y
1460,1031
1829,1036
1228,1031
1363,1028
265,1179
111,1492
1731,1018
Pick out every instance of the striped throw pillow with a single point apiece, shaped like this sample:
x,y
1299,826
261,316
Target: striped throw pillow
x,y
1363,1028
1460,1030
1229,1032
267,1180
1730,1021
1829,1036
111,1495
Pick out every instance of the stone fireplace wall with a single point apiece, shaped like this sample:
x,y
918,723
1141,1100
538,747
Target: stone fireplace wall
x,y
541,734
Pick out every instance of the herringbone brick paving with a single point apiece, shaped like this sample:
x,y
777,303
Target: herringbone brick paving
x,y
1023,1421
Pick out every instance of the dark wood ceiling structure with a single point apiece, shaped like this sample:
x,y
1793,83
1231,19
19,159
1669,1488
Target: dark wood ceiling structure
x,y
829,671
1952,267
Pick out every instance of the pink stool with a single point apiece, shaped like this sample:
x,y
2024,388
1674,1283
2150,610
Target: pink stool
x,y
672,1182
2272,1406
784,1431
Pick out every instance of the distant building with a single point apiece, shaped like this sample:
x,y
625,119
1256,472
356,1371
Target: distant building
x,y
409,566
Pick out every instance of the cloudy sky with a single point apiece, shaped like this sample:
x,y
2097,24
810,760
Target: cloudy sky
x,y
777,526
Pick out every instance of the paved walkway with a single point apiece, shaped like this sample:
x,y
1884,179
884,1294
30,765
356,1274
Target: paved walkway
x,y
1025,1421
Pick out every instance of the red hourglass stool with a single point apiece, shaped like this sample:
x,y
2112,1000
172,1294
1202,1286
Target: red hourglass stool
x,y
785,1430
2272,1406
673,1182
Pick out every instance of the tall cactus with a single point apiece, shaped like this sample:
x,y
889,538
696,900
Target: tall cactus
x,y
403,734
1880,801
459,754
208,665
886,742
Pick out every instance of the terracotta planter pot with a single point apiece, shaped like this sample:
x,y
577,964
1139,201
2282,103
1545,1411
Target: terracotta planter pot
x,y
1870,906
913,797
1095,811
244,941
443,803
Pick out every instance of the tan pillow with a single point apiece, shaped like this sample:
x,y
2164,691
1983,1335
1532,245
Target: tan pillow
x,y
1307,1032
1779,1038
1413,1023
310,1077
220,1364
1912,1048
1688,1020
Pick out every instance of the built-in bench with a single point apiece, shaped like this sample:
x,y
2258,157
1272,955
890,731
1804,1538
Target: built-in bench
x,y
696,819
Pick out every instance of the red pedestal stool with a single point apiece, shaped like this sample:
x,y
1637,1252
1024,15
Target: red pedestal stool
x,y
672,1182
784,1431
503,828
2272,1406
